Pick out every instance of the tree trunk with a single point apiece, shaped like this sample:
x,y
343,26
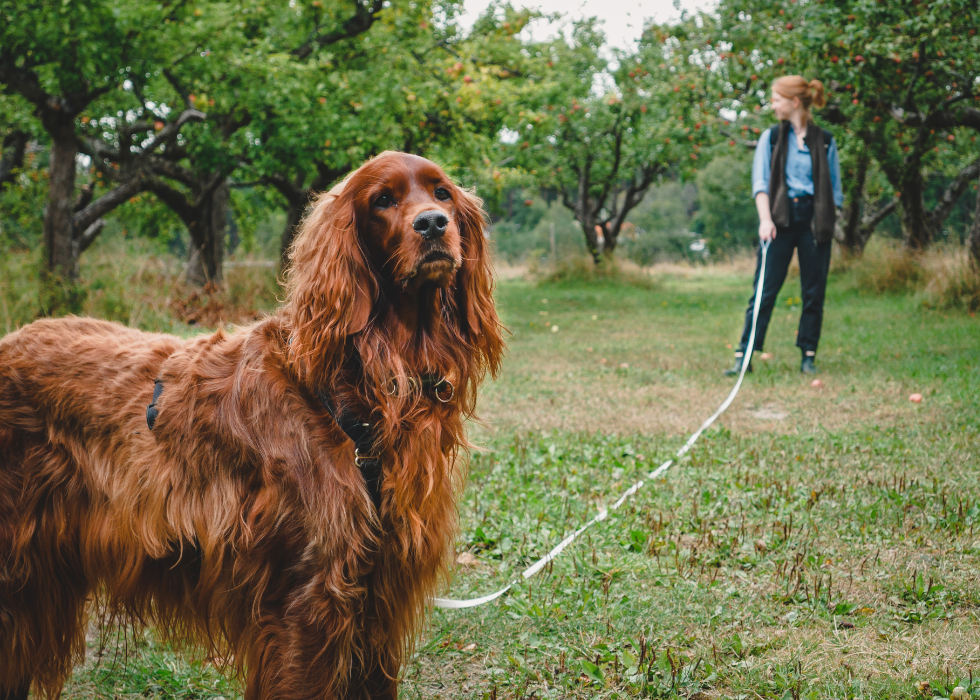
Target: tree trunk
x,y
591,239
294,214
852,242
973,241
955,189
585,214
61,262
610,237
207,235
916,223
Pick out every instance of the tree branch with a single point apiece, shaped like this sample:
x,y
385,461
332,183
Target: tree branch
x,y
171,129
952,194
174,171
89,235
635,193
294,195
364,16
172,198
178,88
14,148
84,197
617,156
940,119
27,84
869,222
87,215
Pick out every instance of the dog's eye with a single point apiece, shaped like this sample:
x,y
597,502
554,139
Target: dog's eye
x,y
442,193
384,201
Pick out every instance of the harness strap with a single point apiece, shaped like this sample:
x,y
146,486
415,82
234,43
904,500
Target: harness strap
x,y
358,431
361,434
152,411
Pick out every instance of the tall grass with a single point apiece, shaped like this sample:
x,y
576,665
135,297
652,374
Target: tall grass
x,y
134,282
885,268
580,269
953,283
942,277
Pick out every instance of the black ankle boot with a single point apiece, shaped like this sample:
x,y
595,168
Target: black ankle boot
x,y
737,368
807,365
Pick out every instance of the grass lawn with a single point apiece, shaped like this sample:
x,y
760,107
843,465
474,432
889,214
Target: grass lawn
x,y
818,542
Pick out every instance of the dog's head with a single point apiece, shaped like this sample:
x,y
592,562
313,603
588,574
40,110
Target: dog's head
x,y
397,227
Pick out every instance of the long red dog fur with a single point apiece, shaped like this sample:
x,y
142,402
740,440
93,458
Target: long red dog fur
x,y
241,524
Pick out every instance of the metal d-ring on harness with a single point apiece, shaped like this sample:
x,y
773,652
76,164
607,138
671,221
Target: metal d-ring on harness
x,y
362,435
442,389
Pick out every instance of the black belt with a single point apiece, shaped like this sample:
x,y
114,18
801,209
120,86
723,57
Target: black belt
x,y
801,210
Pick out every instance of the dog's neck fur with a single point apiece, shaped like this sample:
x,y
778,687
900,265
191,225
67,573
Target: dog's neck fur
x,y
413,322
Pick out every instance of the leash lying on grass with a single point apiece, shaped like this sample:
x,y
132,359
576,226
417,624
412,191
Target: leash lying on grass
x,y
603,512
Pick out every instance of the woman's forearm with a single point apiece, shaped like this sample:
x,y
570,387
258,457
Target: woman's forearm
x,y
762,205
767,229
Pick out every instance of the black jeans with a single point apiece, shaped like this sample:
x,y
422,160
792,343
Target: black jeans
x,y
814,265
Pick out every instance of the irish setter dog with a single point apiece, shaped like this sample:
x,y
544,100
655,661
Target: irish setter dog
x,y
243,522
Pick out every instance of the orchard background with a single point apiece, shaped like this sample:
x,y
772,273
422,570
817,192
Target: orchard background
x,y
206,127
158,156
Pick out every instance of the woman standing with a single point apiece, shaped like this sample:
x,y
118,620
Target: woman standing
x,y
796,185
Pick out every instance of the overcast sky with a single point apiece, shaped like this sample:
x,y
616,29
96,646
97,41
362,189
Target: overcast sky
x,y
623,19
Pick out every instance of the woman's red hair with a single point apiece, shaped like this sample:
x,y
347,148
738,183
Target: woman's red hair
x,y
810,94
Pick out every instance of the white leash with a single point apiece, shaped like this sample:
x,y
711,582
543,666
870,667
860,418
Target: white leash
x,y
603,513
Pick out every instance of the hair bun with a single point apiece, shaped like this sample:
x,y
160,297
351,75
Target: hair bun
x,y
819,97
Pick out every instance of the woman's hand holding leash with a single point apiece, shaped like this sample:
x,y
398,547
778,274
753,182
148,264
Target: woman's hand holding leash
x,y
767,231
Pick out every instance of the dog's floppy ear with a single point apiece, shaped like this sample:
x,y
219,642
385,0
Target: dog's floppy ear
x,y
474,282
330,288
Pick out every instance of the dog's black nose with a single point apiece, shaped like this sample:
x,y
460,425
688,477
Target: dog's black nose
x,y
431,224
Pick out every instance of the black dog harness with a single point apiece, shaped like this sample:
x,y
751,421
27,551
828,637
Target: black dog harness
x,y
357,430
152,411
362,435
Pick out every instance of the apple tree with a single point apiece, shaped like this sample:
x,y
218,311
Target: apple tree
x,y
602,133
903,83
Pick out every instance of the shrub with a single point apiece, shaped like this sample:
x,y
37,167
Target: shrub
x,y
581,269
954,284
886,269
133,281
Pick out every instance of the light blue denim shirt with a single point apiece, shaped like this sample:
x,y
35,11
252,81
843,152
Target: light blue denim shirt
x,y
799,168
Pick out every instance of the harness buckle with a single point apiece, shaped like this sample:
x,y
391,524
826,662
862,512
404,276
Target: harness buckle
x,y
360,459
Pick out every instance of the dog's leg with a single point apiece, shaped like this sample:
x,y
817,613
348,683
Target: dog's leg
x,y
294,657
43,587
378,680
19,694
379,686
